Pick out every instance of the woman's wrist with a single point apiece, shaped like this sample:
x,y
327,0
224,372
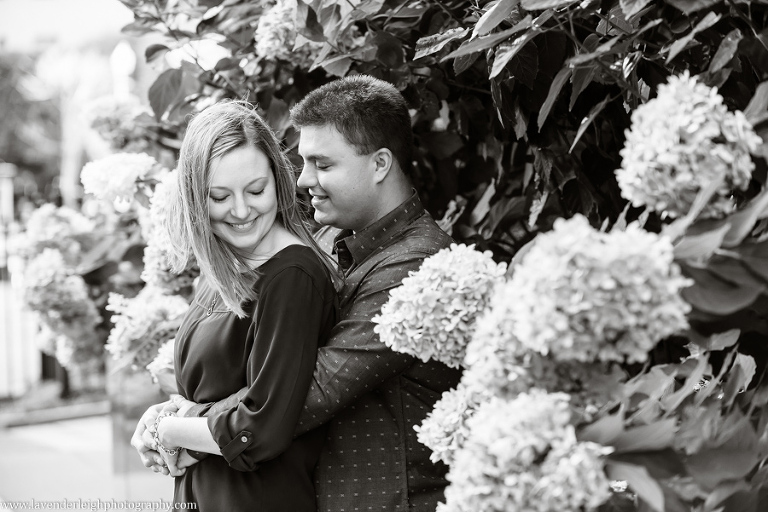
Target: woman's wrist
x,y
163,435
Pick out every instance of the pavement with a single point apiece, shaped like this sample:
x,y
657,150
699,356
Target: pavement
x,y
77,460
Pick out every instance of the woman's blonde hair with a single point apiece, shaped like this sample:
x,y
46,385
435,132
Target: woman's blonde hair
x,y
212,133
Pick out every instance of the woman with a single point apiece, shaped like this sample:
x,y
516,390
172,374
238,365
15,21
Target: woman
x,y
264,304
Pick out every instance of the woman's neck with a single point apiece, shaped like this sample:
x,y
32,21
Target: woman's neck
x,y
278,239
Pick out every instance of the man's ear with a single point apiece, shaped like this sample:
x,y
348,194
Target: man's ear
x,y
383,162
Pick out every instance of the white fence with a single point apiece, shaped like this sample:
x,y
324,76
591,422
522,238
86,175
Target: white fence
x,y
20,360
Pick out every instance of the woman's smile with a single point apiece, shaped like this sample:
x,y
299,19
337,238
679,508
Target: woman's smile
x,y
242,227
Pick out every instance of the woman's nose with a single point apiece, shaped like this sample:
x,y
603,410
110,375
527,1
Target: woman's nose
x,y
240,208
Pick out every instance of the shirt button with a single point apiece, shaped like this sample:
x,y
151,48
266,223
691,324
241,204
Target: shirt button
x,y
244,439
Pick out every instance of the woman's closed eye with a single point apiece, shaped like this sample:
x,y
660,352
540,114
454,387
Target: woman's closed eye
x,y
218,199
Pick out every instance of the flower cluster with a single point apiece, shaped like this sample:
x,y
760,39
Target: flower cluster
x,y
444,430
114,177
522,454
61,228
163,361
588,296
275,36
66,311
143,323
57,295
157,271
681,141
432,314
114,119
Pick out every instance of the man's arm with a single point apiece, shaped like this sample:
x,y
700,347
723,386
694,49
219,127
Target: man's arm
x,y
355,361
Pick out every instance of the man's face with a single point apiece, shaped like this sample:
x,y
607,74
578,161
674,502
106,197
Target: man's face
x,y
340,181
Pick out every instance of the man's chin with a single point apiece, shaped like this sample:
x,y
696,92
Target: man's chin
x,y
323,218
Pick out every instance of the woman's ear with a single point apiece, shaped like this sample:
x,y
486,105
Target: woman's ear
x,y
383,162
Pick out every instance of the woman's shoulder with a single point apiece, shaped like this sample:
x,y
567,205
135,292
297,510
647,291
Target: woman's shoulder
x,y
293,260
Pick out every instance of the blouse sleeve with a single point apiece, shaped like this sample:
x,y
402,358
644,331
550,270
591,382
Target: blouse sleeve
x,y
289,321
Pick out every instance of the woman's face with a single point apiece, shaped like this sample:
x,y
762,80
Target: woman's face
x,y
242,200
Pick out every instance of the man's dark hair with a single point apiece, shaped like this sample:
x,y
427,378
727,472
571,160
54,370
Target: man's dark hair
x,y
370,113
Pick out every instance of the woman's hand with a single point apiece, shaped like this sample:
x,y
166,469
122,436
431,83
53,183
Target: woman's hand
x,y
142,437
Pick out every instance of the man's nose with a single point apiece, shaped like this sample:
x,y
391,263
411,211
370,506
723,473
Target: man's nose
x,y
307,178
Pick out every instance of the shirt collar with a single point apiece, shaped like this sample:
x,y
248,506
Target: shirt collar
x,y
363,243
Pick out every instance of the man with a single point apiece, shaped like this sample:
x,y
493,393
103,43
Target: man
x,y
357,146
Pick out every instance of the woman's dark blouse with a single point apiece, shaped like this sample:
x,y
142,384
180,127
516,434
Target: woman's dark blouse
x,y
273,350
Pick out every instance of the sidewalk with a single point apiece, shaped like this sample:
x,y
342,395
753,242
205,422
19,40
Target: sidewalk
x,y
73,460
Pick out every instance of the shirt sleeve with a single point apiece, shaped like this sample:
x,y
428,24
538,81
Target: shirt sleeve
x,y
355,361
289,321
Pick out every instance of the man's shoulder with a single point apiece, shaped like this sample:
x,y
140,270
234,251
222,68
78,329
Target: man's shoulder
x,y
422,237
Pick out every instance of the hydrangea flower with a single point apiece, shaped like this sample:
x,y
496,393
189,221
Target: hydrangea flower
x,y
513,445
55,227
497,362
114,177
114,119
143,323
163,361
681,141
432,314
444,430
275,36
157,270
57,295
572,478
589,296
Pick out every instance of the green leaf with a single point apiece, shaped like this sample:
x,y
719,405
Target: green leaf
x,y
554,90
632,7
758,104
601,50
712,467
701,245
153,51
743,221
639,480
672,401
691,6
710,19
604,430
432,44
505,52
442,144
389,50
724,491
755,257
525,65
540,5
463,63
726,50
164,91
140,27
593,113
485,42
582,76
655,436
661,465
711,294
493,16
717,342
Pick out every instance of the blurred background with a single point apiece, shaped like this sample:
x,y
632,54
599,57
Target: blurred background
x,y
66,415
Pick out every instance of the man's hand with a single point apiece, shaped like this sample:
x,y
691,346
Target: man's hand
x,y
144,443
183,405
